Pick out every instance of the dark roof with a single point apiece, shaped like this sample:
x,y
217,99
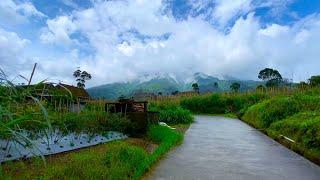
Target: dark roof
x,y
75,91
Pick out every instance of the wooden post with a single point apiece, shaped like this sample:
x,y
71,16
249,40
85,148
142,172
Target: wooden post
x,y
34,68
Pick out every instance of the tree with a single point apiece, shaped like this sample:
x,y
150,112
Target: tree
x,y
271,76
235,87
216,85
174,93
195,87
81,77
160,93
314,81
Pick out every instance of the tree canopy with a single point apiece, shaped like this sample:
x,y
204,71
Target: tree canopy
x,y
235,87
81,77
271,76
195,87
314,81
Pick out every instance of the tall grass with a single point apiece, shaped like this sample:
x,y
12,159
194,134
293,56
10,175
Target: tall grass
x,y
171,112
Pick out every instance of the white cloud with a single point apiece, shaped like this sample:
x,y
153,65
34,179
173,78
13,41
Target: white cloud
x,y
58,31
221,12
127,39
15,13
11,50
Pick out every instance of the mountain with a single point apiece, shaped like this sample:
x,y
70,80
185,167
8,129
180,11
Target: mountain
x,y
166,84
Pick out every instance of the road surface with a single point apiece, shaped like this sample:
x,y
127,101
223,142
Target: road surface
x,y
223,148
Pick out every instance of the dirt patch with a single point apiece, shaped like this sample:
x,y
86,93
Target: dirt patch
x,y
147,145
182,128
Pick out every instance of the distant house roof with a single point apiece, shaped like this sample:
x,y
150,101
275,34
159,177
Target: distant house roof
x,y
48,89
187,93
75,91
144,96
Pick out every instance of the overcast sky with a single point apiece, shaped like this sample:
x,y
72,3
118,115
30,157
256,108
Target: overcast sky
x,y
119,40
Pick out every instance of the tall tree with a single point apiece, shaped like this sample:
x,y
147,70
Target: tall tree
x,y
81,77
216,85
235,87
272,77
195,87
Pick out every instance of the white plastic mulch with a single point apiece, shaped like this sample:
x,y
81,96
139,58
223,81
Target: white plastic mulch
x,y
53,143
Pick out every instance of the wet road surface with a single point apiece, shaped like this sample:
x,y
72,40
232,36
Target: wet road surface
x,y
223,148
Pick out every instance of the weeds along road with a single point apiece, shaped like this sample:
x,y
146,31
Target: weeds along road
x,y
223,148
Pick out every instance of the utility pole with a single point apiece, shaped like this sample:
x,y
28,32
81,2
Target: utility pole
x,y
34,68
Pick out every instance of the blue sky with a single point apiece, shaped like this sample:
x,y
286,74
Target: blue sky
x,y
123,39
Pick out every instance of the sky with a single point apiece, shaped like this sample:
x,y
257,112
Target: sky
x,y
120,40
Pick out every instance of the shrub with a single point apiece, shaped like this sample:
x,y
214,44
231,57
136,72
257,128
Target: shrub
x,y
213,104
263,114
172,113
303,127
222,103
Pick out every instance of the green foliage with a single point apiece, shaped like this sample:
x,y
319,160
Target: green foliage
x,y
265,113
303,127
235,87
90,122
166,138
195,87
271,76
123,161
269,111
212,104
222,103
171,113
314,81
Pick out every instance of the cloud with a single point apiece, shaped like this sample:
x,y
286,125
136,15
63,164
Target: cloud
x,y
16,13
127,39
11,51
222,12
58,31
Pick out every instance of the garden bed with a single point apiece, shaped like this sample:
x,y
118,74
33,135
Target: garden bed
x,y
127,159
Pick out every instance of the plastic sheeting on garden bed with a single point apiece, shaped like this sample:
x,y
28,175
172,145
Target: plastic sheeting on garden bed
x,y
52,142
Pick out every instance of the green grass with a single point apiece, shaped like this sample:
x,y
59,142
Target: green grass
x,y
116,160
171,113
304,129
166,138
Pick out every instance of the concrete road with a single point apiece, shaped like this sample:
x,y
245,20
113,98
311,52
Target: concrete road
x,y
223,148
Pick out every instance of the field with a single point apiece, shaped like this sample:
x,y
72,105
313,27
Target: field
x,y
26,116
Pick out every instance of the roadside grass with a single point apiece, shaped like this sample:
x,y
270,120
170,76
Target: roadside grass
x,y
115,160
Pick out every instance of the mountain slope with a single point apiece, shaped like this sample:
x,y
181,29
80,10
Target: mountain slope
x,y
166,84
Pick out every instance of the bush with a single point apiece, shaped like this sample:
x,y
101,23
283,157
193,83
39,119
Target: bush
x,y
222,103
261,115
90,122
172,113
303,127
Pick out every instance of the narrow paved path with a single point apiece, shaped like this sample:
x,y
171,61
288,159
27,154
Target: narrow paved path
x,y
222,148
